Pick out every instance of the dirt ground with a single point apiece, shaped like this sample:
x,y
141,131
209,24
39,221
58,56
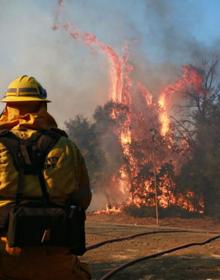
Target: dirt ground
x,y
196,263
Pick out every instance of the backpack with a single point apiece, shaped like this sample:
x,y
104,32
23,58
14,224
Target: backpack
x,y
37,221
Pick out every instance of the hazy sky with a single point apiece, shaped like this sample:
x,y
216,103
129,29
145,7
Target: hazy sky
x,y
159,32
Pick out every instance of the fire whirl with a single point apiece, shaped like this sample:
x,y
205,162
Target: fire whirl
x,y
151,154
90,40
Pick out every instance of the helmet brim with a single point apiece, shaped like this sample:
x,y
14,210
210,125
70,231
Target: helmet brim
x,y
22,99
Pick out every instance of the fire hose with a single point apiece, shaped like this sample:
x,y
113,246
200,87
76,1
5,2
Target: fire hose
x,y
102,243
130,263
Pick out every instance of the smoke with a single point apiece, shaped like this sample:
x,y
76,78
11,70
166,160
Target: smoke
x,y
171,26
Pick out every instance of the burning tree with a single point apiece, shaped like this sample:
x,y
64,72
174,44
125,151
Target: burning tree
x,y
138,149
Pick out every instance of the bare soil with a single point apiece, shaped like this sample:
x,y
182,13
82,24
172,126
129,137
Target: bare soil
x,y
196,263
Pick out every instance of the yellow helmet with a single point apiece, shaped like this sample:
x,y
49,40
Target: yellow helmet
x,y
25,88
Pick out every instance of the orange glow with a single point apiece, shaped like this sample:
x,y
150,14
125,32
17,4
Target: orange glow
x,y
125,137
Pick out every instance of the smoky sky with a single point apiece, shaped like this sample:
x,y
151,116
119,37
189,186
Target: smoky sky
x,y
162,35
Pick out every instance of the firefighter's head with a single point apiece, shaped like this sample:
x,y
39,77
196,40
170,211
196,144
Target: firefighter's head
x,y
26,94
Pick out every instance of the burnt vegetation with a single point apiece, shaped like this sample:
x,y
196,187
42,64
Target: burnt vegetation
x,y
184,165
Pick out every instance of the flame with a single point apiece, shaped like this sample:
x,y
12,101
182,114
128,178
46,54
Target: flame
x,y
126,137
115,72
191,80
108,210
146,93
119,70
90,40
163,117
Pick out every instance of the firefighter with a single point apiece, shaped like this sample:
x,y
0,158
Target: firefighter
x,y
65,175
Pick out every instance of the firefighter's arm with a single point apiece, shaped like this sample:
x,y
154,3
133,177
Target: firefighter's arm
x,y
82,195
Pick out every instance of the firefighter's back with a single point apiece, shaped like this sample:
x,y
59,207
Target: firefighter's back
x,y
65,178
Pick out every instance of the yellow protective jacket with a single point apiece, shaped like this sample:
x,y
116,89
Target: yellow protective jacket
x,y
65,175
65,172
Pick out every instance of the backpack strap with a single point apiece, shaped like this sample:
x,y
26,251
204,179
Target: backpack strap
x,y
11,142
29,155
48,140
41,148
